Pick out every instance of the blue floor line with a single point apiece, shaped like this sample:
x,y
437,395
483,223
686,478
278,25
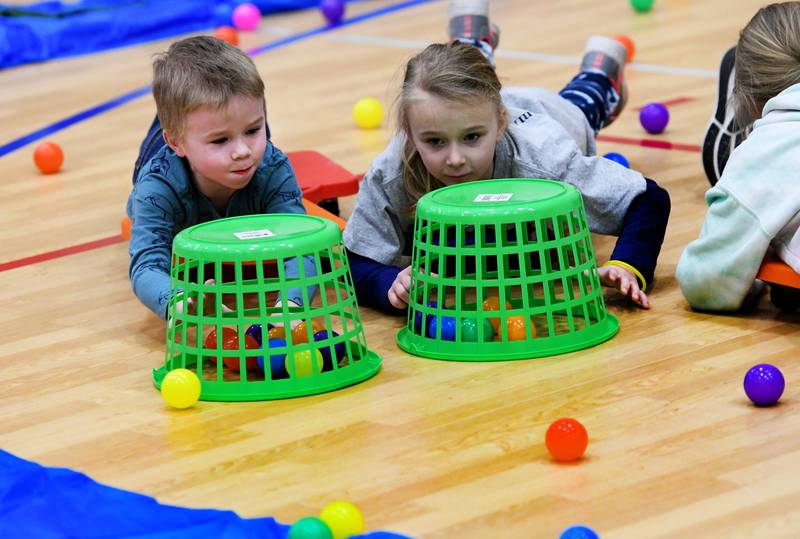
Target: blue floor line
x,y
24,140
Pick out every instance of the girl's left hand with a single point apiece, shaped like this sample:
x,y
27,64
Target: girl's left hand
x,y
625,281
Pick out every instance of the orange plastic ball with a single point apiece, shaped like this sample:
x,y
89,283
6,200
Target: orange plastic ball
x,y
515,326
276,332
125,227
300,331
48,157
629,46
566,439
230,341
226,33
492,303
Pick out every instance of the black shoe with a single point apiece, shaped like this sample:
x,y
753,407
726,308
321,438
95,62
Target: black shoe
x,y
723,134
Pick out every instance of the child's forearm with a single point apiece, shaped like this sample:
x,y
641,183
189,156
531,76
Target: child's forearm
x,y
643,230
291,268
152,287
372,282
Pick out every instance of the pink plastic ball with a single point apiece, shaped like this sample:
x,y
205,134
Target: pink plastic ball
x,y
246,17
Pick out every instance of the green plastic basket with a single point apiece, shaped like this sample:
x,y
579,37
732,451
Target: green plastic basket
x,y
246,257
508,267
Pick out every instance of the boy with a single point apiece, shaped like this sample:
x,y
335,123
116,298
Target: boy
x,y
213,159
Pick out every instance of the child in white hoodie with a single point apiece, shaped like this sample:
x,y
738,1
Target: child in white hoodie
x,y
756,203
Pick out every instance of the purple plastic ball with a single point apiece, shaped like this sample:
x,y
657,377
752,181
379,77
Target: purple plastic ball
x,y
764,384
333,10
654,117
338,349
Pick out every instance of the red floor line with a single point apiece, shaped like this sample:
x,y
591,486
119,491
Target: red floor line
x,y
58,253
651,143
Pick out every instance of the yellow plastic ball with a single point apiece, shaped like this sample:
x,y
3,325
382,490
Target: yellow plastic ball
x,y
180,388
343,518
368,113
303,365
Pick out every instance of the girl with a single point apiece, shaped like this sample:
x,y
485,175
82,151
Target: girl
x,y
455,125
756,202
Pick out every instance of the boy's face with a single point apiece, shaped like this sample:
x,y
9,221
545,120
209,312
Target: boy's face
x,y
223,146
456,141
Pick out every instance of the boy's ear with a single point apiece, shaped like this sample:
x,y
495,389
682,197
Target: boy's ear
x,y
176,145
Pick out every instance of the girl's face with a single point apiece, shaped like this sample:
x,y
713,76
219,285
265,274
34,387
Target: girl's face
x,y
455,140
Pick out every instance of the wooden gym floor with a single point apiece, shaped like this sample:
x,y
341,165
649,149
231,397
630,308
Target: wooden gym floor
x,y
425,448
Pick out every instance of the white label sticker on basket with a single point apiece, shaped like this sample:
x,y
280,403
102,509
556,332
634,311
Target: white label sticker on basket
x,y
250,234
494,197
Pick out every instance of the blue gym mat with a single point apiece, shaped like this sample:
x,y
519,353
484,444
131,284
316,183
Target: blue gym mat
x,y
37,502
45,30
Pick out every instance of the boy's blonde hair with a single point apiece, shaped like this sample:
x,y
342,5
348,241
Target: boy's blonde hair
x,y
200,71
767,59
455,72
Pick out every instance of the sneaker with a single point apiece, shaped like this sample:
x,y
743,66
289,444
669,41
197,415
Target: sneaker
x,y
469,23
723,134
608,56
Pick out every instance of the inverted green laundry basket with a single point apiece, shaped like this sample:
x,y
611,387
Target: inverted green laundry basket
x,y
257,350
503,269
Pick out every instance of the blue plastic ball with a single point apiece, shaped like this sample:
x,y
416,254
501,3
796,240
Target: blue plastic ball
x,y
448,328
617,158
654,117
277,362
764,384
579,532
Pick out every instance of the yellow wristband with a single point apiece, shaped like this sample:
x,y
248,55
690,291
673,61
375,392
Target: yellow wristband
x,y
632,270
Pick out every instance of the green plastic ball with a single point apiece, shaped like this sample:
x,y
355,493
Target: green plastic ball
x,y
470,333
642,6
310,528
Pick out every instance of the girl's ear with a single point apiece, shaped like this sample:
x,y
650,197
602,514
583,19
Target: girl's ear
x,y
176,145
503,123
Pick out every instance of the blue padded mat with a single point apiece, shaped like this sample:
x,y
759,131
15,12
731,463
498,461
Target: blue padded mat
x,y
45,30
37,502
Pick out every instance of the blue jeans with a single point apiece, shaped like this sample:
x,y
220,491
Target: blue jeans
x,y
594,94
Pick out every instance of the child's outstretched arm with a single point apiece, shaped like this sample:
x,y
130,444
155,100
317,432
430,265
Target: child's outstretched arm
x,y
717,271
633,261
153,213
374,282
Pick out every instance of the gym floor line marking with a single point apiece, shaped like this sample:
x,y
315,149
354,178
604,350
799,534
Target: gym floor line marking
x,y
59,253
113,103
524,55
650,143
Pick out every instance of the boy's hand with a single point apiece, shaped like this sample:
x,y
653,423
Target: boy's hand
x,y
625,281
209,305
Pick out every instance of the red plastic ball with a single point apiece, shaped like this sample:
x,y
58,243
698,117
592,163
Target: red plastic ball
x,y
226,33
230,341
566,439
48,157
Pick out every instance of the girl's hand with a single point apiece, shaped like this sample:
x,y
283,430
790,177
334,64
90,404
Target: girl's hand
x,y
398,292
625,281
